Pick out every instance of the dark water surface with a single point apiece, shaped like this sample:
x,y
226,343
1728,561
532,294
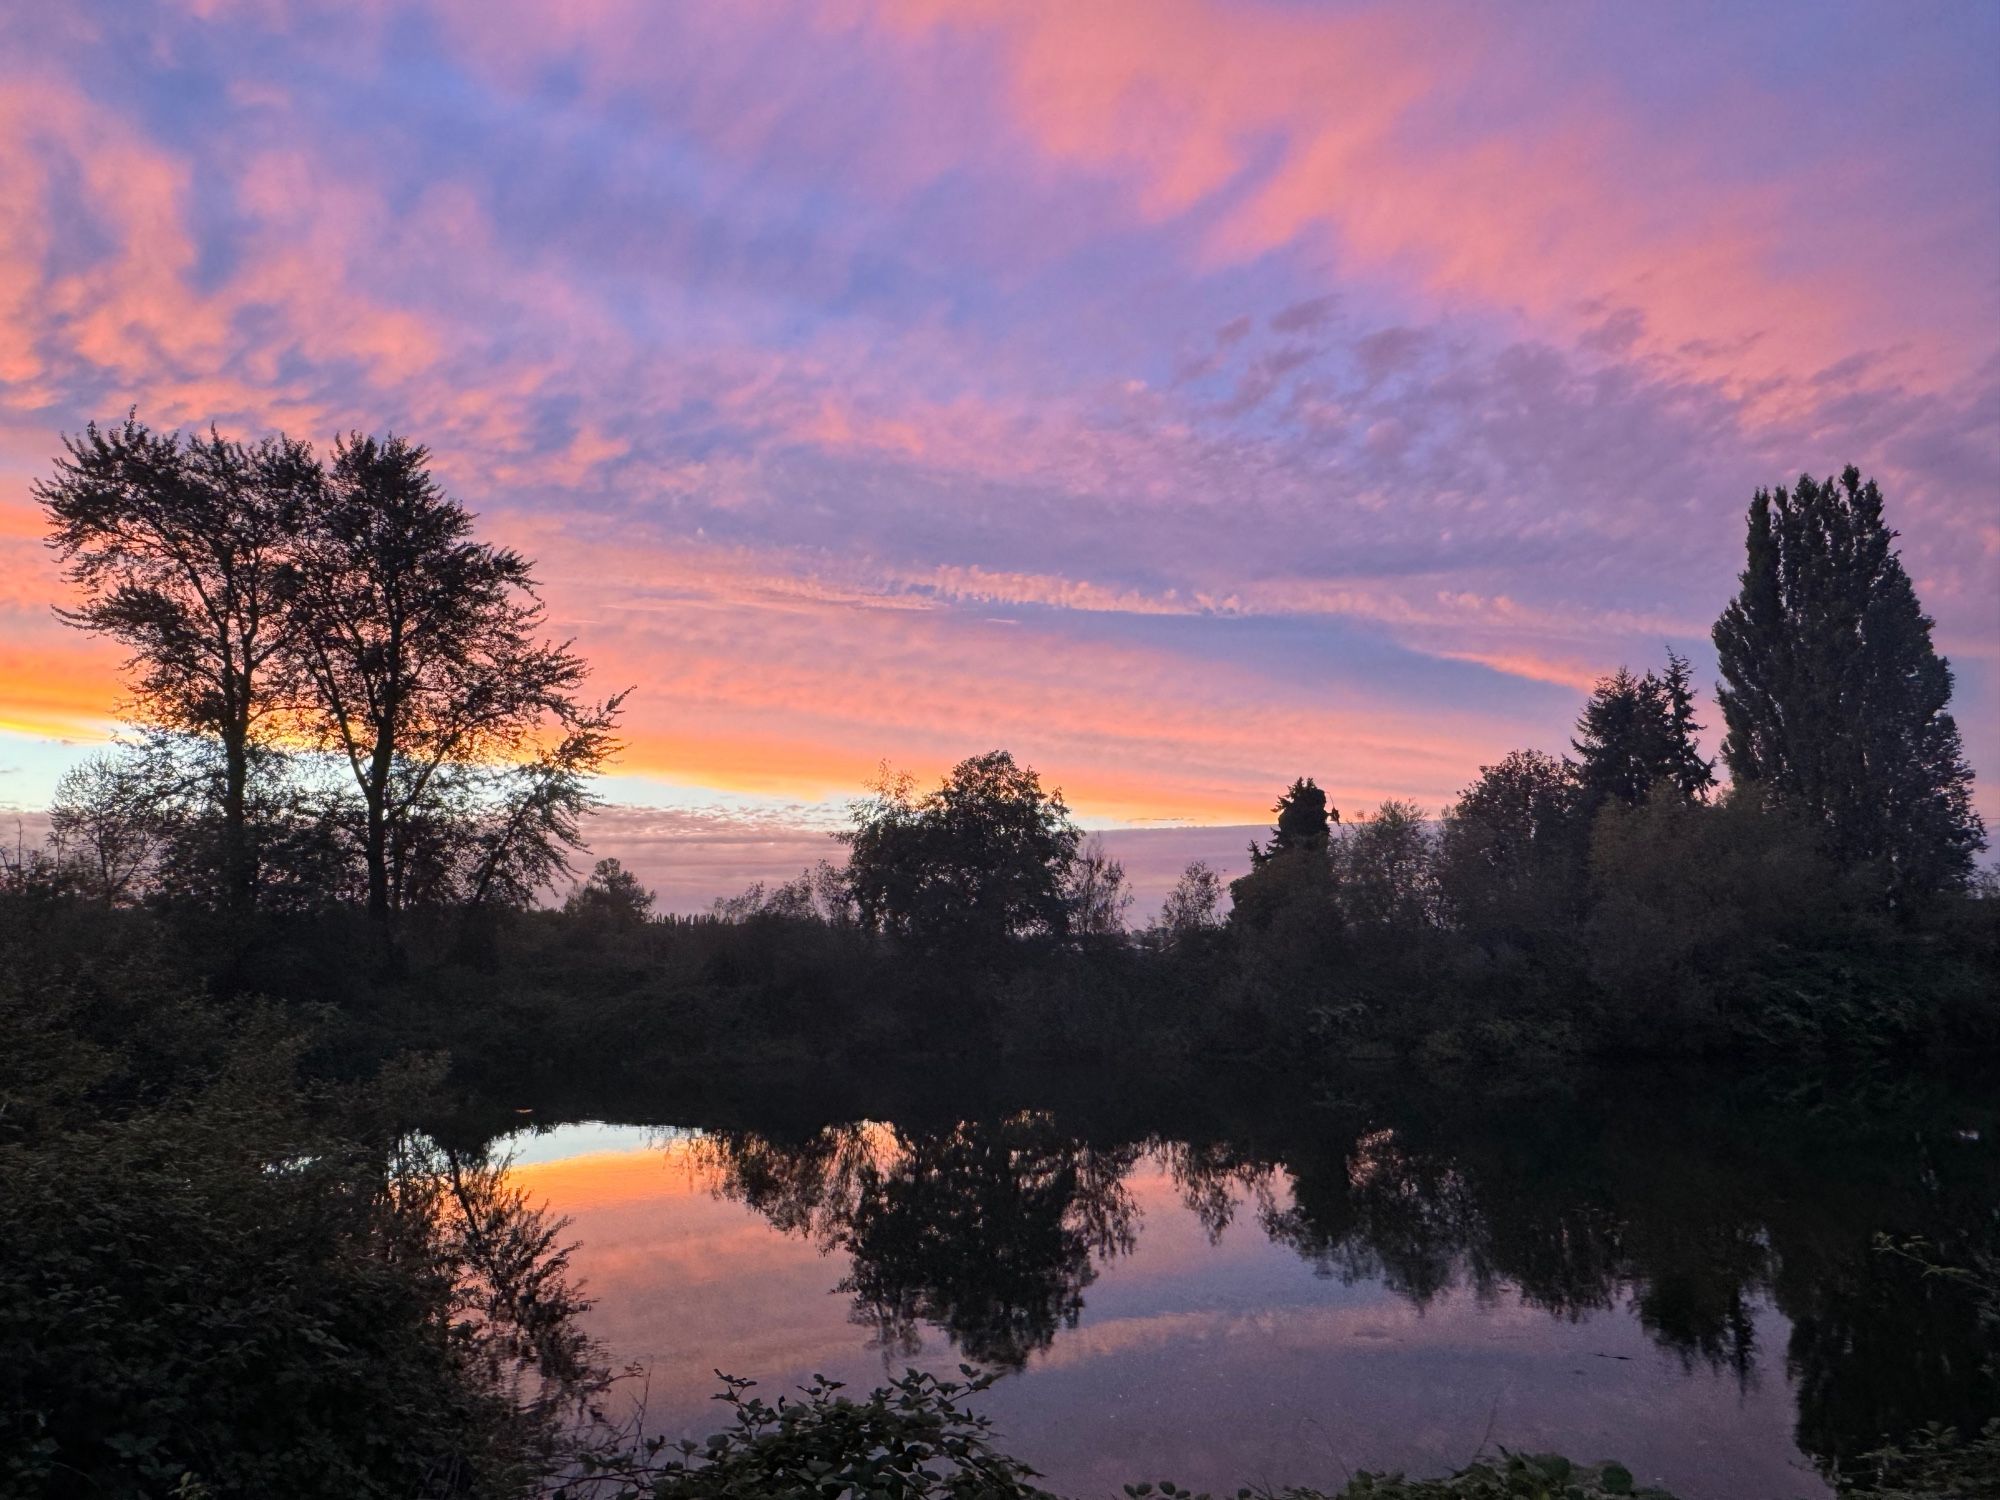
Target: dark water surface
x,y
1289,1285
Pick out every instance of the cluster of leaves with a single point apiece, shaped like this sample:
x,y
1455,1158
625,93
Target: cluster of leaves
x,y
917,1439
985,857
914,1439
219,1278
1934,1463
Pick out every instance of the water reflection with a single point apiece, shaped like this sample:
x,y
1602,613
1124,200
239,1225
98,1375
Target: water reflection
x,y
987,1237
990,1231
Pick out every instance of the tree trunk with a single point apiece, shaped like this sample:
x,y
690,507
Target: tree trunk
x,y
377,851
237,875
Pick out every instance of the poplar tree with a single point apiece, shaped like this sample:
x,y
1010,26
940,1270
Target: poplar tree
x,y
1834,699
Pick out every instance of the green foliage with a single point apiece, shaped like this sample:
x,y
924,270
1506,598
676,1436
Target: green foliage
x,y
217,1279
1386,872
1511,1476
1934,1463
914,1439
917,1439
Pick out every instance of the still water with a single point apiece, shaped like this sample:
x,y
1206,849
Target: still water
x,y
1286,1292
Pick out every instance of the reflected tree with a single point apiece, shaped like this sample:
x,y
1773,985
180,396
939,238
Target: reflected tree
x,y
1682,1212
990,1231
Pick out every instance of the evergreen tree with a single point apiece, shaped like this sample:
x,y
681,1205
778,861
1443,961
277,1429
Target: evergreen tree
x,y
1685,765
1835,700
1304,822
1637,733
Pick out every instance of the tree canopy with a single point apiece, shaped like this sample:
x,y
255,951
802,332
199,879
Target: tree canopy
x,y
179,548
985,856
1834,699
272,601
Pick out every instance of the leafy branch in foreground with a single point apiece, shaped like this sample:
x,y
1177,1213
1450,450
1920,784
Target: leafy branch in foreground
x,y
914,1439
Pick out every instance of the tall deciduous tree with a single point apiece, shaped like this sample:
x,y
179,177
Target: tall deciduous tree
x,y
424,653
178,547
1834,700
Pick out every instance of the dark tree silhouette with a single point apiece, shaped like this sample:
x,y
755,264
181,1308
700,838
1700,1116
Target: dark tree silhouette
x,y
1512,853
179,547
423,652
1304,822
1637,733
107,825
985,857
612,897
1834,698
1290,880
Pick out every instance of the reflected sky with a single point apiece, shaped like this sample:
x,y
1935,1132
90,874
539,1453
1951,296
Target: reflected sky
x,y
1216,1359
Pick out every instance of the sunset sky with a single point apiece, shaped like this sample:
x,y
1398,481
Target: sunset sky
x,y
1184,395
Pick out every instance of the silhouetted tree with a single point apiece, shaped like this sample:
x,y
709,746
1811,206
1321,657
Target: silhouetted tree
x,y
107,825
612,897
423,653
1637,733
1385,870
1835,700
1512,852
179,548
1304,822
986,856
1290,876
1686,896
1098,894
1193,908
1692,773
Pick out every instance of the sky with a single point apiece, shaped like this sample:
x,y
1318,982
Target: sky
x,y
1184,395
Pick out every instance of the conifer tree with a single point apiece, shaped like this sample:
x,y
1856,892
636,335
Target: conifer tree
x,y
1834,698
1637,733
1304,821
1686,766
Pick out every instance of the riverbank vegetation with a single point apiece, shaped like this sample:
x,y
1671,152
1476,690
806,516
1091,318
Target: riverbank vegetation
x,y
272,936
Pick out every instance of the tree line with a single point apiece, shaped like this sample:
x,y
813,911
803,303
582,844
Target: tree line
x,y
1839,744
345,697
340,692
